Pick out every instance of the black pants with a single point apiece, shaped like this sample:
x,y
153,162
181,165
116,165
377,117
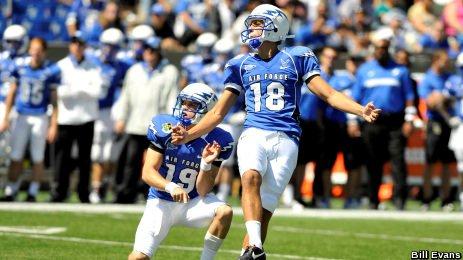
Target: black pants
x,y
128,181
67,135
383,141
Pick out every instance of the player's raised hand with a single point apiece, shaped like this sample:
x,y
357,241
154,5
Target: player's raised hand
x,y
370,113
179,134
211,152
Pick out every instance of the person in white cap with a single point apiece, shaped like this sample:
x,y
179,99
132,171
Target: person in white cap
x,y
78,92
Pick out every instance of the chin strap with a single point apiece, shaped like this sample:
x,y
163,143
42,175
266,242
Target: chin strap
x,y
255,43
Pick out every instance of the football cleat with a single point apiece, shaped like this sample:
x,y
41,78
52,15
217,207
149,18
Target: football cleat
x,y
253,252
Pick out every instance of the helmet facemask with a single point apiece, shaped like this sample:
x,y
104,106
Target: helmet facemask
x,y
256,41
181,111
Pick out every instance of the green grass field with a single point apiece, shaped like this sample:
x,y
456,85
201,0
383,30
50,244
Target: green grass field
x,y
110,236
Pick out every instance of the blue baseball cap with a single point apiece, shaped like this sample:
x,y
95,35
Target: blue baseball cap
x,y
153,43
158,9
78,37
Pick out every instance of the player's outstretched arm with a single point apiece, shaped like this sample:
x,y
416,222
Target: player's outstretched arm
x,y
208,172
208,123
151,176
340,101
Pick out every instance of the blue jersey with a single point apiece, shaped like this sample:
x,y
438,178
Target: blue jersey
x,y
454,87
272,87
389,87
6,68
432,82
214,76
34,86
113,74
181,163
342,81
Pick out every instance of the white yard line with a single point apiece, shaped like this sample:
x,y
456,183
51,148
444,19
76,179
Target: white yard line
x,y
327,232
129,244
33,230
313,213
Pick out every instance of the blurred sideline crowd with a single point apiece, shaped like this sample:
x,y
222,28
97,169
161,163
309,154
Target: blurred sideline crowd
x,y
90,110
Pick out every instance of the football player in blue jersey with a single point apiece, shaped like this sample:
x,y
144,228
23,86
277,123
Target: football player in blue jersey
x,y
14,40
182,176
431,89
33,88
271,79
113,72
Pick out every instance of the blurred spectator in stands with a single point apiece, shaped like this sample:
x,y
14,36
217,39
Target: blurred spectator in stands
x,y
238,25
32,89
453,20
194,18
83,13
299,16
388,86
78,93
315,33
227,17
343,39
455,88
113,72
108,18
435,39
150,88
193,63
431,89
421,17
397,25
361,26
163,28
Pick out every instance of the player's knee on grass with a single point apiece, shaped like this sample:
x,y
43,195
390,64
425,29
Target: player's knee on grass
x,y
135,255
224,214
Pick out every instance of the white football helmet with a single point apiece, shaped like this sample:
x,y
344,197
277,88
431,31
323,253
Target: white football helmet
x,y
275,29
206,39
224,46
15,39
141,32
14,32
112,36
199,93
